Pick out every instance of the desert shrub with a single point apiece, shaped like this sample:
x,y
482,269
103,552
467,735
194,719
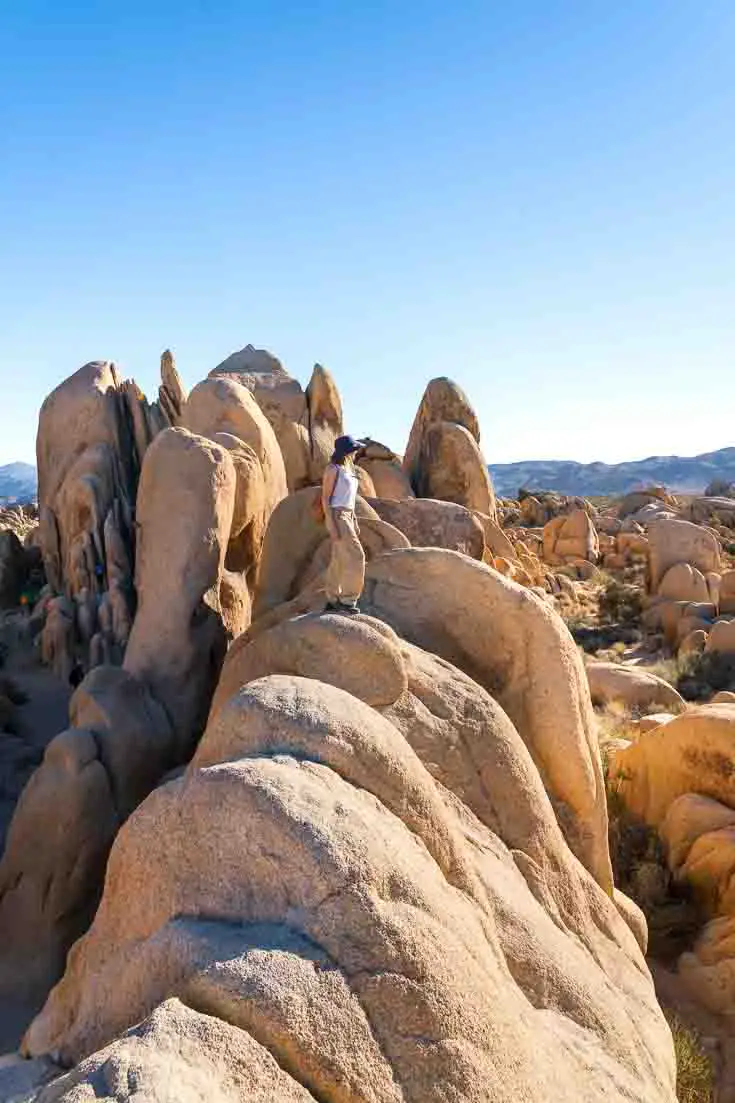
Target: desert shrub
x,y
720,488
620,602
694,1070
641,872
699,676
668,669
594,638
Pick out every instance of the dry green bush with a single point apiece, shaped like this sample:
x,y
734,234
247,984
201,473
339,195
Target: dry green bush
x,y
695,1079
620,602
637,855
699,676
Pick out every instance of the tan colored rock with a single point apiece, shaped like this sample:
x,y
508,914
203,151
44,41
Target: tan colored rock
x,y
283,402
722,636
93,433
454,469
81,413
235,603
353,655
58,637
711,510
666,615
133,734
306,424
252,509
632,544
533,512
693,643
265,376
171,393
724,697
654,720
714,583
632,687
683,582
637,499
388,477
674,541
56,849
221,405
13,569
708,869
318,721
688,624
687,818
497,542
633,916
92,777
335,921
198,1057
708,971
184,516
443,458
567,586
442,400
324,419
429,523
570,537
691,754
365,485
520,651
727,592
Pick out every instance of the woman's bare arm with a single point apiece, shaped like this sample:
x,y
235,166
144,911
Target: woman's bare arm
x,y
329,481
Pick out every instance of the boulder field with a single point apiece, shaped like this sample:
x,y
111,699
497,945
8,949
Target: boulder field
x,y
283,854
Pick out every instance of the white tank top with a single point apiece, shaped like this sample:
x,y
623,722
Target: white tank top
x,y
344,494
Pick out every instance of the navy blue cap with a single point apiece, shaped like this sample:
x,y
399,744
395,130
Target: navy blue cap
x,y
344,446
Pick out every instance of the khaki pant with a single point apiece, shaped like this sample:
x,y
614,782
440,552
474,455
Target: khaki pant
x,y
346,572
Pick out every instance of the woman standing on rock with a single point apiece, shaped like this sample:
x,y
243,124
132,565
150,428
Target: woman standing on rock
x,y
346,571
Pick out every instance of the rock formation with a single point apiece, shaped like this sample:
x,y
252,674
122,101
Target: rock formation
x,y
385,470
93,433
570,538
185,508
286,854
13,569
306,423
443,458
310,884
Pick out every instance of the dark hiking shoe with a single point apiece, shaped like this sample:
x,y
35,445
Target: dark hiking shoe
x,y
350,609
331,607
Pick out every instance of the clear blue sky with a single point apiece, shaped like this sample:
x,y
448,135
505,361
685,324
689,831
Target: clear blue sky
x,y
534,198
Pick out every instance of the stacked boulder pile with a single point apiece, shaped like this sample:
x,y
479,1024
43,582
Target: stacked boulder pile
x,y
685,584
677,778
20,560
285,854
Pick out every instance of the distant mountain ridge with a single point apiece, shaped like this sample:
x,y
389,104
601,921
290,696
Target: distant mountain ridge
x,y
18,481
687,474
